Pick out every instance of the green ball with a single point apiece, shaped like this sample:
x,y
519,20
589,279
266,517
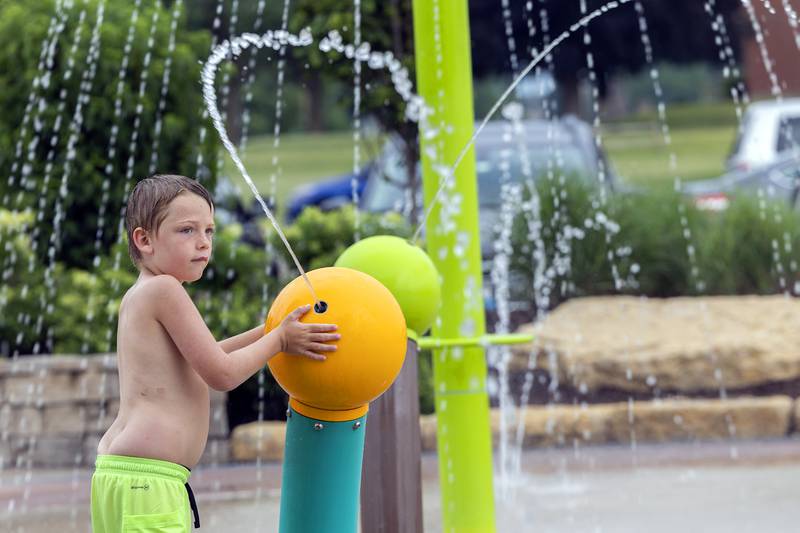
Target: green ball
x,y
404,269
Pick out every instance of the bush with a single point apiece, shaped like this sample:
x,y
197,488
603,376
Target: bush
x,y
79,313
319,238
23,296
734,251
651,228
87,304
23,29
749,249
574,229
64,310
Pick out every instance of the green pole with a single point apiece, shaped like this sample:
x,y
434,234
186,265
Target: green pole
x,y
444,80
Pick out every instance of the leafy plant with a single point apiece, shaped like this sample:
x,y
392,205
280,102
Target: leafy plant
x,y
319,238
65,147
651,243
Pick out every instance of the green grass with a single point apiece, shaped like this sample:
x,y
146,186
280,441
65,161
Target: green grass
x,y
641,156
701,136
302,158
681,116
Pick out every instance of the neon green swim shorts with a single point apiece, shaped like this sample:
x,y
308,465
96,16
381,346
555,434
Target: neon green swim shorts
x,y
137,495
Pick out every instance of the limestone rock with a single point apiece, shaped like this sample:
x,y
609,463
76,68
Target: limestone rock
x,y
65,419
679,419
680,345
685,419
255,440
427,430
796,417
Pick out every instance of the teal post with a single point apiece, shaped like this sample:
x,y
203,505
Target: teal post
x,y
444,80
321,475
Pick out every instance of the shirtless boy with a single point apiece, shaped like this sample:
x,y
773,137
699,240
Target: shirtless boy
x,y
168,359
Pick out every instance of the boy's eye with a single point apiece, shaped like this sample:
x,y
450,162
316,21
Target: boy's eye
x,y
187,230
210,231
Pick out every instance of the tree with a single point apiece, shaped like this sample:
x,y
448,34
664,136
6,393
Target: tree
x,y
82,178
386,26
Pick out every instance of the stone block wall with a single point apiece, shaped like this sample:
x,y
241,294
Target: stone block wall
x,y
622,423
55,409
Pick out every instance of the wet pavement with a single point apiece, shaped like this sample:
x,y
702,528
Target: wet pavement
x,y
708,488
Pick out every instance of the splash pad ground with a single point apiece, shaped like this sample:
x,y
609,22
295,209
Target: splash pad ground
x,y
658,488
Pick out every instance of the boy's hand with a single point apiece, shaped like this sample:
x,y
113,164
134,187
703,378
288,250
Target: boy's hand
x,y
307,340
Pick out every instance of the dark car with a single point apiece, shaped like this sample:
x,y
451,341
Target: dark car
x,y
328,194
778,180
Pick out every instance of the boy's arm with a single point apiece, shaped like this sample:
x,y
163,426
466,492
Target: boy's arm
x,y
176,312
242,339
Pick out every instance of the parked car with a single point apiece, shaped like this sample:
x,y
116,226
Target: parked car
x,y
567,145
328,194
769,129
779,180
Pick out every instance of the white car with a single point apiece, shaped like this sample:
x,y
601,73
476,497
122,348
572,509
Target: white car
x,y
779,180
768,128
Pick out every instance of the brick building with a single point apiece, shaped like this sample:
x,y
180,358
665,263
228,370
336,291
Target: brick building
x,y
781,40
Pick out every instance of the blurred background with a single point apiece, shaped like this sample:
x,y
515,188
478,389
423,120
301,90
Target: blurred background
x,y
638,212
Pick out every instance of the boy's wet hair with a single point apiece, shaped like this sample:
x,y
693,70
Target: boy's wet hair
x,y
147,204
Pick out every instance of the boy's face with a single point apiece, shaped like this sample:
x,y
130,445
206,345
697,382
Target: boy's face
x,y
182,245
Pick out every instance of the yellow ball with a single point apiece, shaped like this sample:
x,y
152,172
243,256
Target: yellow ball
x,y
369,355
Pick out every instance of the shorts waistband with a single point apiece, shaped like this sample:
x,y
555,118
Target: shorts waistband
x,y
141,465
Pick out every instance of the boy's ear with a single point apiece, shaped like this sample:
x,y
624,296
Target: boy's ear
x,y
141,239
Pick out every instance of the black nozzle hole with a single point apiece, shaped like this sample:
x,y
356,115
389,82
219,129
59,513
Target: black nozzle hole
x,y
320,307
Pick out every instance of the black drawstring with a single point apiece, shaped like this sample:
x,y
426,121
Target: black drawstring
x,y
193,504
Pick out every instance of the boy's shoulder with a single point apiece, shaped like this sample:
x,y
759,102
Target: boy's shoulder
x,y
154,288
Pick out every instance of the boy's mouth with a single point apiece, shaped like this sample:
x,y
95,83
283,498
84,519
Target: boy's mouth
x,y
203,259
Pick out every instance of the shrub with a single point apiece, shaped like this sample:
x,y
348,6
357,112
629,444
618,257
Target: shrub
x,y
576,233
651,228
23,29
87,304
749,248
23,296
319,238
